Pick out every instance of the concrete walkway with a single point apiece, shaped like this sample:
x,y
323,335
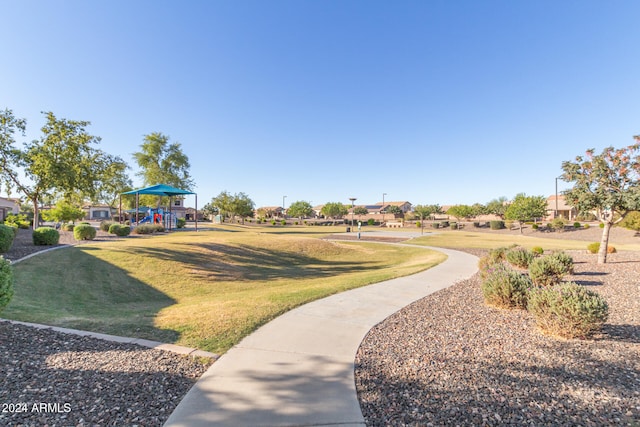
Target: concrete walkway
x,y
298,370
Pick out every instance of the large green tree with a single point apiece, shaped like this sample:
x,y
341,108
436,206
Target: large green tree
x,y
229,205
526,208
426,211
163,162
461,211
334,210
606,184
64,159
497,206
300,209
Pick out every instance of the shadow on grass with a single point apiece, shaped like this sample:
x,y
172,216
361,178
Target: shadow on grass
x,y
71,288
227,262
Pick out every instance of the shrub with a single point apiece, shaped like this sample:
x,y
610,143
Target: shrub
x,y
444,224
494,257
84,232
105,225
631,221
535,226
558,224
594,248
120,230
418,224
568,310
508,224
43,236
6,282
182,223
546,271
496,225
19,221
283,222
371,221
476,224
68,227
577,225
144,229
565,260
505,288
7,234
601,225
586,226
435,225
519,257
537,250
454,225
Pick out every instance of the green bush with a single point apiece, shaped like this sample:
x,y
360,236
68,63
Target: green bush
x,y
6,283
84,232
476,224
105,225
453,225
494,257
567,310
565,260
601,225
418,224
496,225
43,236
535,226
7,234
537,250
546,271
19,221
594,248
519,257
558,224
444,224
144,229
68,227
120,230
182,223
435,225
371,221
586,226
577,225
505,288
631,221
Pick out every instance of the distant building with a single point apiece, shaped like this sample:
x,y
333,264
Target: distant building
x,y
8,206
560,208
99,212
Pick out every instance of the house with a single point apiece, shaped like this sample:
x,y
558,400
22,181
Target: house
x,y
8,206
558,207
99,212
404,206
270,212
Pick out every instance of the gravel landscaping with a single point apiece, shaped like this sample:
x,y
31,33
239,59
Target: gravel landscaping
x,y
445,360
451,360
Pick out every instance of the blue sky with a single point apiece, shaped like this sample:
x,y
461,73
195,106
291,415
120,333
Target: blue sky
x,y
428,101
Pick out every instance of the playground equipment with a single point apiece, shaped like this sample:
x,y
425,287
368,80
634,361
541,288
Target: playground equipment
x,y
158,216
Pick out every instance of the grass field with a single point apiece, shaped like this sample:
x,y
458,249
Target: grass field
x,y
207,289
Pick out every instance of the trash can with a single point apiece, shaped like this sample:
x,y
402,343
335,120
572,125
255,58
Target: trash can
x,y
348,229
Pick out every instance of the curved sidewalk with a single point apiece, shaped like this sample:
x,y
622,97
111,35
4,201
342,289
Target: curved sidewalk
x,y
298,370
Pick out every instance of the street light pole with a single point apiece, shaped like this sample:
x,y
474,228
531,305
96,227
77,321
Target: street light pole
x,y
555,215
353,199
283,197
383,194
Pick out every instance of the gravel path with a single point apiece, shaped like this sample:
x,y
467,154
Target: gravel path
x,y
450,360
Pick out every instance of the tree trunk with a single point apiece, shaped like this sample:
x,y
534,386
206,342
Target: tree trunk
x,y
604,243
36,213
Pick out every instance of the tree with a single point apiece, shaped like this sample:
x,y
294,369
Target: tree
x,y
334,210
63,212
300,209
360,210
526,208
210,210
426,211
162,162
497,207
461,212
229,205
62,160
394,210
224,203
114,180
606,183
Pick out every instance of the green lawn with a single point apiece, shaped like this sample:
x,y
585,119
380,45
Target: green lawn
x,y
206,289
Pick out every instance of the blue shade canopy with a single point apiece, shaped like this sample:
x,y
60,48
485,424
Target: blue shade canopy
x,y
160,190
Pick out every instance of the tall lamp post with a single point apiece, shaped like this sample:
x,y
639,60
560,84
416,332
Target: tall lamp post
x,y
555,214
283,197
383,194
353,199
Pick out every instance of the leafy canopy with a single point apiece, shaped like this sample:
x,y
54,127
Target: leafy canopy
x,y
300,209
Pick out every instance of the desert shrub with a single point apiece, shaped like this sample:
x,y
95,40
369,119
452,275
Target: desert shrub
x,y
444,224
84,232
594,248
537,250
6,282
586,226
519,257
43,236
505,288
68,227
558,224
283,222
453,225
435,225
105,225
535,226
371,221
7,234
476,224
565,260
508,224
120,230
577,225
546,271
567,310
182,222
601,225
492,258
496,225
144,229
418,224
